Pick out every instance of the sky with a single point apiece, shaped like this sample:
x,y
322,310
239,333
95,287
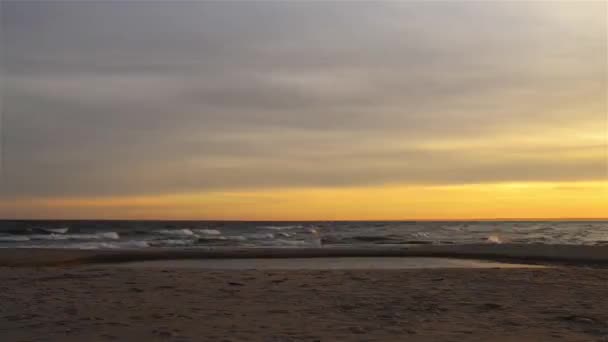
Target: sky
x,y
304,110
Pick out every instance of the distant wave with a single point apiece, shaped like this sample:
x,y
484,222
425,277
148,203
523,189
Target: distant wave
x,y
110,245
284,234
208,231
55,230
260,236
419,236
18,238
176,232
170,243
95,236
288,243
282,227
86,235
494,239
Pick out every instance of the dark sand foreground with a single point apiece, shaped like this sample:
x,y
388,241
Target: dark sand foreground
x,y
103,303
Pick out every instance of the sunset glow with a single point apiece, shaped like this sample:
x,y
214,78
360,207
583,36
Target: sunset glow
x,y
532,200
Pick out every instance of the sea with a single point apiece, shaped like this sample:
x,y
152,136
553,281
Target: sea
x,y
203,234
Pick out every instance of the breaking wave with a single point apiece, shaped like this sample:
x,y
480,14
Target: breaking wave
x,y
95,236
494,238
282,227
176,232
208,231
55,230
14,238
170,243
87,234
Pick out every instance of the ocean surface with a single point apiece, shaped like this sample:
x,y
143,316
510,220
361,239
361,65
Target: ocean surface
x,y
195,234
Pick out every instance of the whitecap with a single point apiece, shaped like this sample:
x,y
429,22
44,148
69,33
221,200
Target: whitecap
x,y
108,235
108,245
13,238
90,245
133,244
55,230
281,227
95,236
494,238
211,238
288,243
171,242
283,234
424,235
49,237
261,236
176,232
208,231
314,232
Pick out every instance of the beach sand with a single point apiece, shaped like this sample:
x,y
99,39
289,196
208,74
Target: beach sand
x,y
169,302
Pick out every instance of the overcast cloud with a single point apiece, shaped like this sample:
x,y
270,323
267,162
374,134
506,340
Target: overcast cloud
x,y
106,98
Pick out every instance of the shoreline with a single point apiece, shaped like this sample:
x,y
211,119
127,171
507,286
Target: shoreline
x,y
524,254
323,264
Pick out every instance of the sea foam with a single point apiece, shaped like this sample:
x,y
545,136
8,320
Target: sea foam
x,y
176,232
95,236
55,230
14,238
282,227
208,231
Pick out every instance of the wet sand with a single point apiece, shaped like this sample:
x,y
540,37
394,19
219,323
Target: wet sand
x,y
346,263
153,301
554,254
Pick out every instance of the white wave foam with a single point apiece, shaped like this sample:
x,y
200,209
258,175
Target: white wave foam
x,y
108,245
208,231
314,231
282,227
176,232
108,235
494,238
55,230
134,244
288,243
96,236
171,242
49,237
211,237
14,238
283,234
423,235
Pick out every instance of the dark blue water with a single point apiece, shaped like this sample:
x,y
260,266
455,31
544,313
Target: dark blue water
x,y
192,234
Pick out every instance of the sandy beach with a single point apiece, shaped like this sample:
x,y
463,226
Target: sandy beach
x,y
163,302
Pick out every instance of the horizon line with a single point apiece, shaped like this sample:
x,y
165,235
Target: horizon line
x,y
324,220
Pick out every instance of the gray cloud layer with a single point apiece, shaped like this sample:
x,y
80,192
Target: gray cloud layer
x,y
118,98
